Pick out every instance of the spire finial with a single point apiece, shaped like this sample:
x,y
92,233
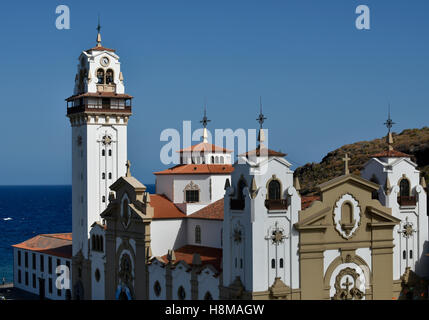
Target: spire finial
x,y
128,164
261,119
389,124
346,160
98,33
204,122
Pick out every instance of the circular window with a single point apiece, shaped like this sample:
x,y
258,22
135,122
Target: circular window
x,y
97,275
157,288
181,294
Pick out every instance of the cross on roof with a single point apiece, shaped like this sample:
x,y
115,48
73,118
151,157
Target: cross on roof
x,y
389,122
205,119
261,118
346,164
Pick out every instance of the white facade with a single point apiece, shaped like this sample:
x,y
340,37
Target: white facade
x,y
99,151
410,249
35,272
98,260
249,251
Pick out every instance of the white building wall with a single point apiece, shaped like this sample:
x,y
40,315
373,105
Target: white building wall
x,y
45,274
157,273
181,277
210,232
167,234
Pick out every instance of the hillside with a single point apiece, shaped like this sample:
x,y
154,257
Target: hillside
x,y
414,142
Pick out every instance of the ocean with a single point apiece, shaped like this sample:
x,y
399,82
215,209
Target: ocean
x,y
26,211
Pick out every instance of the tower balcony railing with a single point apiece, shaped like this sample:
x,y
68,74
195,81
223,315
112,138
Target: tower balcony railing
x,y
405,201
276,204
98,108
236,204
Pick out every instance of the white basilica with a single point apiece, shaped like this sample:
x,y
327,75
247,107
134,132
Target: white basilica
x,y
223,229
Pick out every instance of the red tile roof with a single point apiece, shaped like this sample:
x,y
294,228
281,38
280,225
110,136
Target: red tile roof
x,y
205,147
164,208
307,201
100,49
57,244
391,154
100,94
208,255
198,169
265,151
213,211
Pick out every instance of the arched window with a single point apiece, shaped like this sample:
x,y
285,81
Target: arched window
x,y
221,160
274,190
109,76
197,234
125,215
157,288
100,76
404,254
217,159
181,294
110,152
103,176
411,254
404,188
208,296
273,263
281,263
103,152
212,159
110,175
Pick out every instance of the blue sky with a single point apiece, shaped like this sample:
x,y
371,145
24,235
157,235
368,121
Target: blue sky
x,y
323,82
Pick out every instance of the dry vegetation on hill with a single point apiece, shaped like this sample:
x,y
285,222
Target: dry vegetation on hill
x,y
414,142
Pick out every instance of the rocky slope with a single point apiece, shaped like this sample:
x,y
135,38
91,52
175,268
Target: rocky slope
x,y
414,142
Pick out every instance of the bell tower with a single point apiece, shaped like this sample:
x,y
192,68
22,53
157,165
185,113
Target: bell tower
x,y
98,111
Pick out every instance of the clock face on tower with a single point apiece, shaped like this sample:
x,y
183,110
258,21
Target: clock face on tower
x,y
105,61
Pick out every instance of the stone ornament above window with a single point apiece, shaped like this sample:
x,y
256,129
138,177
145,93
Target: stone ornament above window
x,y
191,186
347,228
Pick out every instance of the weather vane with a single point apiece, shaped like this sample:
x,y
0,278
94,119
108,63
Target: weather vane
x,y
261,118
205,119
389,122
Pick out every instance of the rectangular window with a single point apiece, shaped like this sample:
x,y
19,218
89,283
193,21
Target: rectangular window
x,y
19,258
26,259
26,278
34,280
42,263
33,256
192,196
19,276
50,265
50,285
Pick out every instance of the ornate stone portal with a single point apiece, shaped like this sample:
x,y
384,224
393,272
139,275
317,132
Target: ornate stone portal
x,y
346,285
